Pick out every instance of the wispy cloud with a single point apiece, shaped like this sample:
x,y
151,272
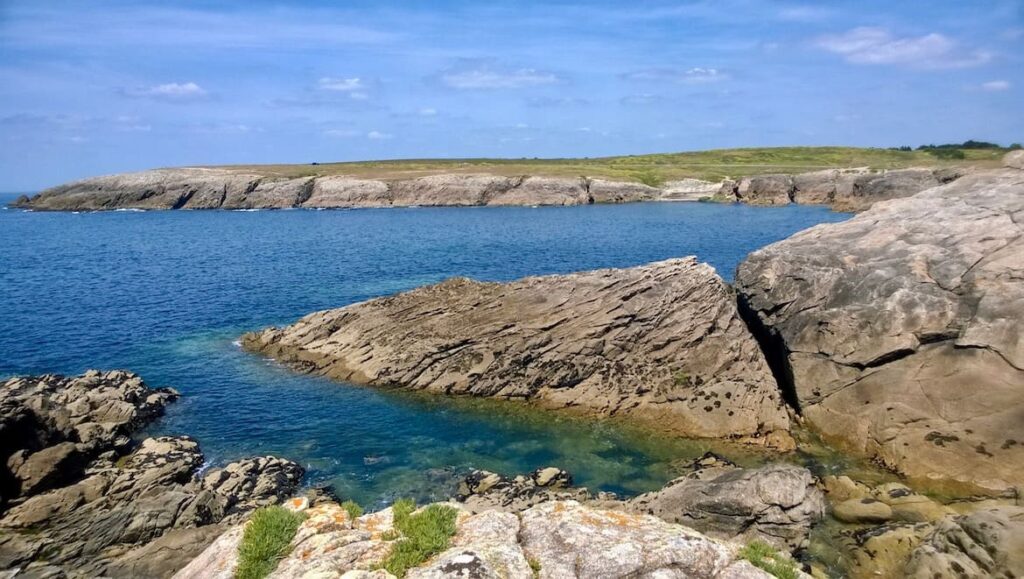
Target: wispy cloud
x,y
172,91
805,13
378,136
995,85
868,45
693,75
489,76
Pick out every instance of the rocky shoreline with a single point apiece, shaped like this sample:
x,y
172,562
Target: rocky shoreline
x,y
212,188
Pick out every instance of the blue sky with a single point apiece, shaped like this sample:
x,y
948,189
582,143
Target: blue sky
x,y
98,87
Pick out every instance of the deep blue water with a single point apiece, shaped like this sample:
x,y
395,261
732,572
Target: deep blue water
x,y
166,294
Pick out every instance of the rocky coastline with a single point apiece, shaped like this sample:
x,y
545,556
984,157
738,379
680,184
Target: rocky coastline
x,y
852,189
894,335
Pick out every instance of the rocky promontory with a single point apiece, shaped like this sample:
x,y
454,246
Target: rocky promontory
x,y
81,498
224,188
662,342
898,333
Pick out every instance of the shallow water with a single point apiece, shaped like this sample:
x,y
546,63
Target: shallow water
x,y
166,294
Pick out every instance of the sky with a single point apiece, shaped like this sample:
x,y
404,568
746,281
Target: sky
x,y
99,87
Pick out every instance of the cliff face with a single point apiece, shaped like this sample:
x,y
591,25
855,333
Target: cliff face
x,y
900,329
662,342
199,188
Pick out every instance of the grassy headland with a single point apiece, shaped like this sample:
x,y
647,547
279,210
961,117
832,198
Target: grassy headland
x,y
650,169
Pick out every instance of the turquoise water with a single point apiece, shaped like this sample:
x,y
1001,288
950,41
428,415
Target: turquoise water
x,y
166,294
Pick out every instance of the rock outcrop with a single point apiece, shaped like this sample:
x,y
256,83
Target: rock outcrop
x,y
92,503
777,503
898,333
225,188
556,540
661,342
986,543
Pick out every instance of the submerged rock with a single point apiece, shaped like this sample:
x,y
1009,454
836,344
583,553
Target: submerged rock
x,y
987,543
90,503
897,333
662,342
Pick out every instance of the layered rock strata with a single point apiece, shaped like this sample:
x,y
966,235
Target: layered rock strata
x,y
661,342
898,333
219,188
87,501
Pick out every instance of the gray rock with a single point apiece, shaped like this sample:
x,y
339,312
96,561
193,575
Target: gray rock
x,y
605,191
774,189
776,503
534,190
481,490
871,188
663,343
50,467
451,189
898,332
1014,160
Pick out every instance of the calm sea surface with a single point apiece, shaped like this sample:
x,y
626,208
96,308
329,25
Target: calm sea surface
x,y
166,294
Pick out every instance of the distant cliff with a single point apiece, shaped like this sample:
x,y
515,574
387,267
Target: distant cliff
x,y
222,188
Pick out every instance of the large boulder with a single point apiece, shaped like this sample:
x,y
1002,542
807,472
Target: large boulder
x,y
777,503
898,333
341,191
871,188
662,342
534,190
605,191
451,189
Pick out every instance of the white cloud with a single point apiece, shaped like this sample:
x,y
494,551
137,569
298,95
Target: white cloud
x,y
427,112
342,133
867,45
378,136
804,13
694,75
354,87
341,84
995,85
489,77
171,91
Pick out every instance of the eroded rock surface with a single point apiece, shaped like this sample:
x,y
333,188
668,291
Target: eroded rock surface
x,y
556,540
662,342
898,333
92,503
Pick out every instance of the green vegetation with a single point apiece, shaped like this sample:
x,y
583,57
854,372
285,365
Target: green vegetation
x,y
266,540
681,378
425,534
354,510
650,169
765,557
534,566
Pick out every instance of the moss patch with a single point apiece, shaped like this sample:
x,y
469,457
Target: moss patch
x,y
765,557
266,541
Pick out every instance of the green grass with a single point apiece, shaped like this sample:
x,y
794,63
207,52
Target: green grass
x,y
354,510
649,169
266,541
534,566
424,534
765,557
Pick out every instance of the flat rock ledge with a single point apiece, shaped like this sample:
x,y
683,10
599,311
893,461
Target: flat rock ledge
x,y
901,332
661,343
81,499
222,188
552,540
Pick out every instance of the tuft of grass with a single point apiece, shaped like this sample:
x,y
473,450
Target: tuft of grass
x,y
266,541
534,566
425,534
353,509
768,559
681,378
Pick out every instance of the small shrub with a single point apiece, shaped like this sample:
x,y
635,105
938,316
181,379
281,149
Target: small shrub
x,y
390,535
425,534
534,566
681,378
765,557
266,541
354,510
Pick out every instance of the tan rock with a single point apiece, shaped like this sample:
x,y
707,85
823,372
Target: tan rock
x,y
662,342
865,510
901,329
